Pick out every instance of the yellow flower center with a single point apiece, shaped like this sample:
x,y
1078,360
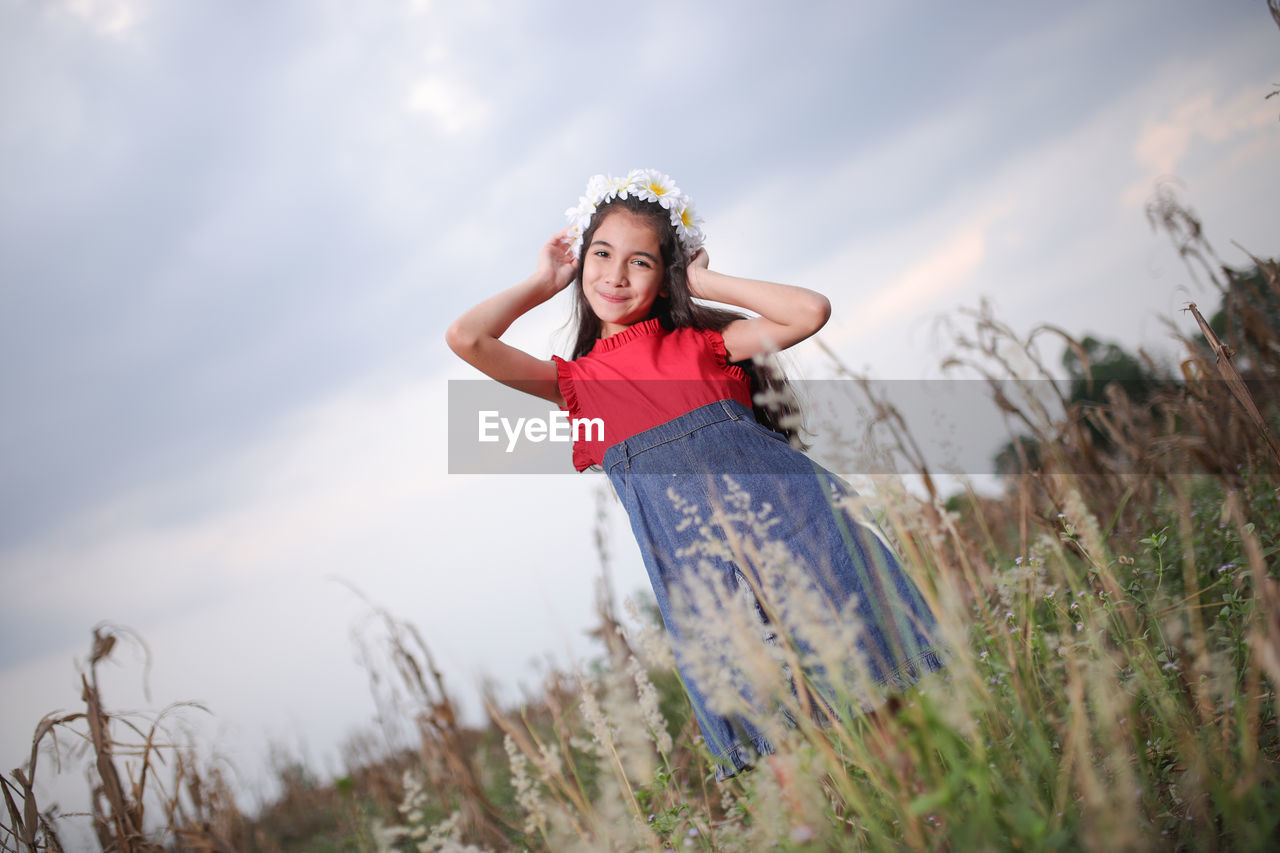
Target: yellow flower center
x,y
657,189
686,218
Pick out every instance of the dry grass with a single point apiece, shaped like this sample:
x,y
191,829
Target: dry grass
x,y
148,792
1114,622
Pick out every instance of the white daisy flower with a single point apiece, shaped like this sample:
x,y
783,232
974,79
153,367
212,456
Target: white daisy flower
x,y
652,185
683,214
598,188
688,225
579,218
646,185
615,188
583,209
693,240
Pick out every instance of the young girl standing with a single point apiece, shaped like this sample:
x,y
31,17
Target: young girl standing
x,y
724,509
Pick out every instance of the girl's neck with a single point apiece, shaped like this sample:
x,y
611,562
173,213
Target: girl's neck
x,y
626,334
608,330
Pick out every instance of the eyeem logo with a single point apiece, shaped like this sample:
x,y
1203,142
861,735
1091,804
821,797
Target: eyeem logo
x,y
559,428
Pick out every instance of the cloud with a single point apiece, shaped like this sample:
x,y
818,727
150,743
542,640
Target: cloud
x,y
895,297
1037,229
453,105
1168,138
943,270
279,507
110,18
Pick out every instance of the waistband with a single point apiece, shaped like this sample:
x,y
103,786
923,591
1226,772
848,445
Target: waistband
x,y
678,427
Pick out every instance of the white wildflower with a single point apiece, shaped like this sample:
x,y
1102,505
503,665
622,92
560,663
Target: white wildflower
x,y
648,696
601,731
526,788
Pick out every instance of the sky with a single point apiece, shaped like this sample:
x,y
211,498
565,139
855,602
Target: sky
x,y
232,236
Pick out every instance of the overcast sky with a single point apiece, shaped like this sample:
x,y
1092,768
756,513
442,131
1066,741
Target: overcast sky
x,y
232,235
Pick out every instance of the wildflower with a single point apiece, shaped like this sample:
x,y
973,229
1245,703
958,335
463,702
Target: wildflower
x,y
648,696
651,640
1081,520
444,837
803,833
386,837
601,732
526,789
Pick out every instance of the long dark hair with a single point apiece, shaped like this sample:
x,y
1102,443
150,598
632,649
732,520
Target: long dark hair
x,y
677,309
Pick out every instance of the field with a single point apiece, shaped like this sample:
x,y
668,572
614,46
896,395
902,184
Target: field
x,y
1112,618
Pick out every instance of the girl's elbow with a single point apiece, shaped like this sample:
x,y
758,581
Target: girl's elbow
x,y
817,312
461,340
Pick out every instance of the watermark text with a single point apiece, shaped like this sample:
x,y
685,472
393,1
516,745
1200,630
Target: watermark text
x,y
558,427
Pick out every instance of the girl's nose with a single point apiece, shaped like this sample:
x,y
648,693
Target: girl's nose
x,y
617,274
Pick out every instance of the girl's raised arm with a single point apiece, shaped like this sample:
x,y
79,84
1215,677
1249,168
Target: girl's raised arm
x,y
474,336
788,314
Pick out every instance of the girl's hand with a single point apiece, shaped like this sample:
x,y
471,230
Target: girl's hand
x,y
556,262
693,272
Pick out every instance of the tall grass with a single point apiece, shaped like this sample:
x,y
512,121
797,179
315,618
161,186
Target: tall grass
x,y
149,790
1113,622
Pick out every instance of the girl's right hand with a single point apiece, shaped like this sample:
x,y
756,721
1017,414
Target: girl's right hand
x,y
693,272
556,261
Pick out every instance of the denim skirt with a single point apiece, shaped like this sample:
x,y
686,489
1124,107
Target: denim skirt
x,y
731,521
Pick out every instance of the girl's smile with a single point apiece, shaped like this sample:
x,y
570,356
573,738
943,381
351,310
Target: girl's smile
x,y
622,271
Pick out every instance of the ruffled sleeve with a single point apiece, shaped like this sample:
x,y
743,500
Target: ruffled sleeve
x,y
715,341
568,389
565,381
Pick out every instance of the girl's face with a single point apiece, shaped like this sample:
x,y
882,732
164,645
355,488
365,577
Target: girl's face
x,y
622,271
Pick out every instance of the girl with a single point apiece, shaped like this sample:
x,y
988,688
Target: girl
x,y
742,535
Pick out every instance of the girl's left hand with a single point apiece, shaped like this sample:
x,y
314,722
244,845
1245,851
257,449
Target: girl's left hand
x,y
698,262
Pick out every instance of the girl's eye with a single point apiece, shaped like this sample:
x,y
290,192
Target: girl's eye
x,y
641,262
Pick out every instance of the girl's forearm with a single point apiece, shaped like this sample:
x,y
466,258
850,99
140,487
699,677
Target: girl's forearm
x,y
783,304
492,317
474,337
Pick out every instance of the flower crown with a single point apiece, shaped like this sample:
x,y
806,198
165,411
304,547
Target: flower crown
x,y
649,185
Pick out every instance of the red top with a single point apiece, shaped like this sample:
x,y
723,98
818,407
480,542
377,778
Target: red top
x,y
641,377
